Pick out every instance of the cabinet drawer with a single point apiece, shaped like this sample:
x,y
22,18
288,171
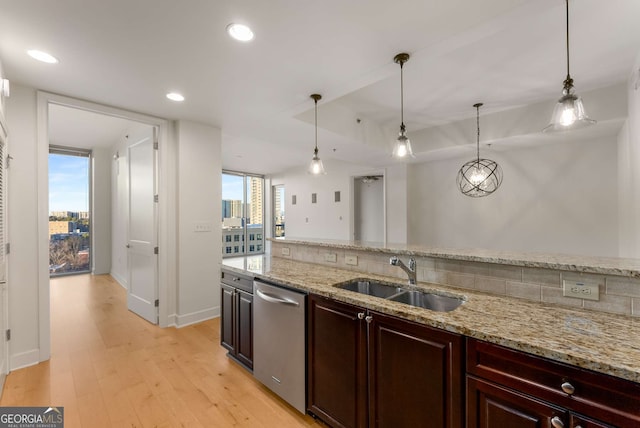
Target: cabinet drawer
x,y
598,395
242,282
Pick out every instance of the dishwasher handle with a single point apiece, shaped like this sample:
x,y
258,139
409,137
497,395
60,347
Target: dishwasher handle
x,y
275,299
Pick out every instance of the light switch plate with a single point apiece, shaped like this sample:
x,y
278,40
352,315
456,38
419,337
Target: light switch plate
x,y
351,260
330,257
581,290
203,226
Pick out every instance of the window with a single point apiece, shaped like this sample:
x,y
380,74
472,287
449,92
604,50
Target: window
x,y
243,210
69,223
278,211
228,250
252,248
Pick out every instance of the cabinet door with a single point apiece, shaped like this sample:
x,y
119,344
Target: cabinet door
x,y
244,344
337,363
227,320
583,422
492,406
416,377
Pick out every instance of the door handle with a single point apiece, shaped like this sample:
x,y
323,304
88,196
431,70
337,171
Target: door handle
x,y
275,299
128,246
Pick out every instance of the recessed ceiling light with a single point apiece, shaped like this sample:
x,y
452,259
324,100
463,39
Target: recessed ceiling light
x,y
174,96
240,32
42,56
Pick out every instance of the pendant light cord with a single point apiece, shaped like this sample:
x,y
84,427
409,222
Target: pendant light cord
x,y
478,134
401,96
568,74
316,124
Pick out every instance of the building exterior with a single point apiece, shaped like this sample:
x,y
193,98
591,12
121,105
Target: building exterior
x,y
60,227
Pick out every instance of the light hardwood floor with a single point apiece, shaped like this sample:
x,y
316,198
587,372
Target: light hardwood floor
x,y
110,368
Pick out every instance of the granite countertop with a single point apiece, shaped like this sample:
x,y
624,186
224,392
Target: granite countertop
x,y
619,266
602,342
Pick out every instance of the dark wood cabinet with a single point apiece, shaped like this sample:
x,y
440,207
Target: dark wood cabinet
x,y
492,406
367,369
415,374
336,363
236,321
503,383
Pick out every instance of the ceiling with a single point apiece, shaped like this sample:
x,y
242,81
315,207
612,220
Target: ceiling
x,y
506,53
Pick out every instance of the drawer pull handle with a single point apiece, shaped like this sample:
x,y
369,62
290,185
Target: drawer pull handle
x,y
360,315
368,319
568,388
556,422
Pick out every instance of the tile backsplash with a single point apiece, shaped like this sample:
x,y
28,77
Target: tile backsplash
x,y
620,295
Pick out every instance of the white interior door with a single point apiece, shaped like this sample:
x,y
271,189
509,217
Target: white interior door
x,y
142,230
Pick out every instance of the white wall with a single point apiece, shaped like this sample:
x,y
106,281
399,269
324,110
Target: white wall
x,y
2,99
326,219
199,201
397,203
629,171
559,197
22,207
101,215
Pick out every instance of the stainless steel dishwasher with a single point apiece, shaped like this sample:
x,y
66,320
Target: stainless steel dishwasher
x,y
279,341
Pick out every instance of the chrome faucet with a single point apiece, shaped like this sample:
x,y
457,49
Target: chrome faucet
x,y
411,270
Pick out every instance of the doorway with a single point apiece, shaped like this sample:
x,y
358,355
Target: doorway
x,y
368,208
103,159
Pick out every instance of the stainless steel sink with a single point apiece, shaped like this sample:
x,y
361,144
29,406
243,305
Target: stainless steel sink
x,y
435,302
396,293
372,288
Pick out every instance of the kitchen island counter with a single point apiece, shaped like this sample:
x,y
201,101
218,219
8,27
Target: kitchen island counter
x,y
605,343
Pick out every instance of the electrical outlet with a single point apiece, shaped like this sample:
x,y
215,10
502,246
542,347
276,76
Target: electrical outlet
x,y
351,260
330,257
581,290
286,251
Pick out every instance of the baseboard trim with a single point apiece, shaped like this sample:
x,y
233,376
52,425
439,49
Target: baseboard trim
x,y
24,359
120,280
196,317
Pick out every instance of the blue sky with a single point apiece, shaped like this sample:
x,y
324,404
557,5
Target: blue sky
x,y
68,183
232,187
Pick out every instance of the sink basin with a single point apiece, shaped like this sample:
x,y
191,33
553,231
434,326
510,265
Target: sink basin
x,y
372,288
435,302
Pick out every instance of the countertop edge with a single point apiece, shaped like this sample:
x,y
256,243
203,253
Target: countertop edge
x,y
625,267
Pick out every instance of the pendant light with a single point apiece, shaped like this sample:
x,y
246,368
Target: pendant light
x,y
402,146
479,177
316,167
569,112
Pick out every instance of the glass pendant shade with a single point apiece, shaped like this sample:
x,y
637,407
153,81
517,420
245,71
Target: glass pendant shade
x,y
479,177
316,167
402,146
568,114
